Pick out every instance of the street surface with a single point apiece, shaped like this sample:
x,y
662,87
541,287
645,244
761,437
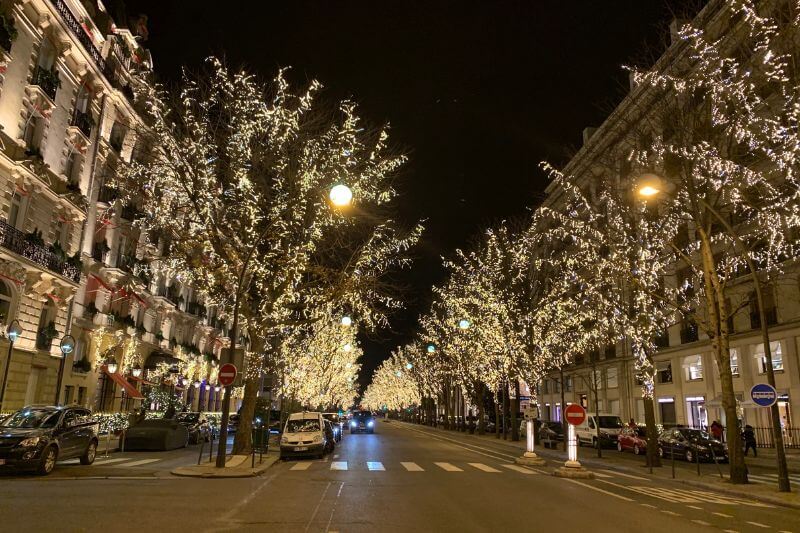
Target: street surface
x,y
402,478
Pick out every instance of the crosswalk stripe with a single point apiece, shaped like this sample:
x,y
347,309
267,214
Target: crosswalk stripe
x,y
375,465
109,461
301,466
625,475
412,467
448,467
339,465
598,474
481,466
517,468
140,463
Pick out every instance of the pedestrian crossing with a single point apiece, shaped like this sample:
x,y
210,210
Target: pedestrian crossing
x,y
771,478
408,466
124,462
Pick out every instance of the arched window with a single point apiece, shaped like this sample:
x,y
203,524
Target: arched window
x,y
6,302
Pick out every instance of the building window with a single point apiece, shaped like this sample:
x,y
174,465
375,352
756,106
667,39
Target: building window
x,y
694,367
696,412
69,390
44,333
664,372
613,407
81,396
640,409
568,383
666,407
611,379
6,301
775,352
770,311
735,361
544,386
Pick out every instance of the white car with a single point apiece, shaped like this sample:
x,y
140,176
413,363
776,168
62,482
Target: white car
x,y
303,435
610,426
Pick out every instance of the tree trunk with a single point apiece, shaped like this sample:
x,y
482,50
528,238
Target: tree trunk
x,y
481,408
506,409
715,303
564,427
653,459
514,411
497,414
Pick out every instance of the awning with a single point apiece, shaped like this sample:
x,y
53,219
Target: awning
x,y
159,357
130,390
142,381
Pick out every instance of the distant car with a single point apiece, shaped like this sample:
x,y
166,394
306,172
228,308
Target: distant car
x,y
233,423
690,444
35,437
551,433
634,439
157,434
303,435
197,426
362,422
337,424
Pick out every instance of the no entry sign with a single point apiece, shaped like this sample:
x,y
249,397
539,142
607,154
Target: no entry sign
x,y
227,374
575,414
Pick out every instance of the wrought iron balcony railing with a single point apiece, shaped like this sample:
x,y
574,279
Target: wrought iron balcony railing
x,y
75,27
16,241
47,80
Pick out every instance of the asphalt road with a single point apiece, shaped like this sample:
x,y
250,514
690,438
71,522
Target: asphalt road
x,y
402,478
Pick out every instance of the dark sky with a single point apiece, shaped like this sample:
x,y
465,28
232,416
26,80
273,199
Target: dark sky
x,y
476,92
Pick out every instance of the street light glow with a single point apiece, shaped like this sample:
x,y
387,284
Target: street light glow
x,y
347,321
648,190
409,366
341,195
347,347
431,348
464,323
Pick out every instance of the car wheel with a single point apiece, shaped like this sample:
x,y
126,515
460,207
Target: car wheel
x,y
48,461
619,446
91,452
637,450
689,456
595,443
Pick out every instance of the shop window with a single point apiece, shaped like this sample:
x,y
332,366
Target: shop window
x,y
666,408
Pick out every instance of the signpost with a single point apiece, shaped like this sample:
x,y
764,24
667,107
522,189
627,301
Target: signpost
x,y
763,395
227,374
575,415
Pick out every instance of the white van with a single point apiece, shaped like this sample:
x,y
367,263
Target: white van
x,y
303,434
610,427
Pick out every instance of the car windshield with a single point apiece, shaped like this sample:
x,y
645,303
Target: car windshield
x,y
695,434
33,418
362,416
610,422
304,425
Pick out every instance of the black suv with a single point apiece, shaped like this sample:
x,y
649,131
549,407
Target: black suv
x,y
35,437
362,421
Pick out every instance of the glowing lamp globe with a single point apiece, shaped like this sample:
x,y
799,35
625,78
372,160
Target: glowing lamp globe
x,y
216,388
111,365
464,323
431,348
208,387
341,195
196,384
67,345
347,321
136,371
14,331
347,347
409,366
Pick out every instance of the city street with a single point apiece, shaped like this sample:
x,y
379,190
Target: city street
x,y
404,477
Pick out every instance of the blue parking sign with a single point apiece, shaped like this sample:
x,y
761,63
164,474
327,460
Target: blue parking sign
x,y
764,395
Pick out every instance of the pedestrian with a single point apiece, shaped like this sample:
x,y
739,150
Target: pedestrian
x,y
749,436
632,424
716,430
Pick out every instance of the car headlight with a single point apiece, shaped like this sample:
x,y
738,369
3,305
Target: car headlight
x,y
30,442
370,423
353,423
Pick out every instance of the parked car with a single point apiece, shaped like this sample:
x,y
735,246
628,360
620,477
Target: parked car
x,y
634,439
337,423
330,436
158,434
551,433
35,437
362,422
686,442
197,426
303,435
610,426
233,423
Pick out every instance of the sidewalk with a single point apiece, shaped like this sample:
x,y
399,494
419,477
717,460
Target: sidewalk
x,y
235,466
766,493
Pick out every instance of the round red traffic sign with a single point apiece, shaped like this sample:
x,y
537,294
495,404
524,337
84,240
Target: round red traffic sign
x,y
575,414
227,374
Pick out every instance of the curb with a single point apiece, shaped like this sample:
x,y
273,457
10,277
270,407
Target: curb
x,y
206,472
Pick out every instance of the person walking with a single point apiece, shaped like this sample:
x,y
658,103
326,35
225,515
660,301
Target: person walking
x,y
749,436
716,430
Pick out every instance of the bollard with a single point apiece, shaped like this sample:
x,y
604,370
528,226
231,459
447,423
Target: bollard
x,y
714,455
529,457
672,455
697,458
211,446
108,442
572,468
200,457
122,440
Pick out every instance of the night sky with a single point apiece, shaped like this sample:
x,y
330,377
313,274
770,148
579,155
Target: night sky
x,y
476,93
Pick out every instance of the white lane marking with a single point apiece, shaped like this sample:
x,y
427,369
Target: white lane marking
x,y
316,509
301,466
375,466
109,461
412,467
648,505
598,489
723,515
336,456
604,476
339,465
694,507
701,522
517,468
758,524
448,467
730,531
673,513
140,463
481,466
625,475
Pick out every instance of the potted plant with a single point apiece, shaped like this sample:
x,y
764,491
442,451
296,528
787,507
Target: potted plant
x,y
159,336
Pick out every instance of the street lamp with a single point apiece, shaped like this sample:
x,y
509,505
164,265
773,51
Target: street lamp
x,y
196,384
13,332
431,348
464,323
136,370
111,365
67,346
347,347
341,195
347,321
409,366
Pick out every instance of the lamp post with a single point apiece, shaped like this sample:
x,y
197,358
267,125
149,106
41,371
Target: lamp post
x,y
111,365
67,346
653,186
13,332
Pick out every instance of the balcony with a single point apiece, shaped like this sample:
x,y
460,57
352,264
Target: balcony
x,y
47,81
14,240
107,194
84,122
77,30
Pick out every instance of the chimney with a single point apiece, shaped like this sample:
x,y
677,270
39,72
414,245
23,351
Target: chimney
x,y
587,134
